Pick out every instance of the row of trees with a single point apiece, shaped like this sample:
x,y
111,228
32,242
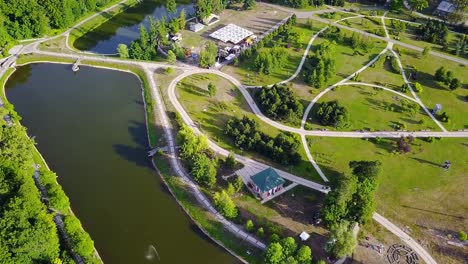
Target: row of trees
x,y
268,60
22,19
279,102
332,114
433,31
28,233
200,161
320,66
447,77
353,197
287,251
246,135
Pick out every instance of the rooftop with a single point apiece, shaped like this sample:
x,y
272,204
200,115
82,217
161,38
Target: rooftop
x,y
446,6
267,179
231,33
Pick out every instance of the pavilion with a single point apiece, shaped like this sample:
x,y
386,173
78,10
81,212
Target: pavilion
x,y
231,33
266,183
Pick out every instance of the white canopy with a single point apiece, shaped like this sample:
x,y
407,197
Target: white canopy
x,y
231,33
304,236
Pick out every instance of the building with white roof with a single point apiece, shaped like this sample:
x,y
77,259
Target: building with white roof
x,y
231,33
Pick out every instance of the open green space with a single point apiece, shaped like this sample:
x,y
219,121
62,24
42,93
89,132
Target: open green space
x,y
414,190
373,109
353,61
382,74
453,102
212,114
368,24
410,36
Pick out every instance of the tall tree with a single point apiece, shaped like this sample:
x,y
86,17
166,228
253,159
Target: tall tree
x,y
341,241
203,8
274,253
122,49
182,20
249,4
418,5
171,6
304,255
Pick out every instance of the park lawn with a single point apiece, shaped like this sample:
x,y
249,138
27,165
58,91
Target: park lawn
x,y
453,102
371,25
346,63
411,37
414,190
245,73
382,75
334,16
212,114
367,110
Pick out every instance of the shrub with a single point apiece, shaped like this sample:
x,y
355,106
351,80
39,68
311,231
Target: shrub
x,y
462,236
260,232
249,226
417,87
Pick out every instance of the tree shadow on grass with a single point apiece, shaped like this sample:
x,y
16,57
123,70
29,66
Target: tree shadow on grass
x,y
423,161
136,153
434,212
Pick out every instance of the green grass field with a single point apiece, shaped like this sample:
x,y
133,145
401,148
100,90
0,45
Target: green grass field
x,y
212,114
371,25
414,190
453,102
382,75
367,108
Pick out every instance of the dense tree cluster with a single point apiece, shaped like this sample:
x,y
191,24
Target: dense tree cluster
x,y
268,60
269,53
353,197
320,66
332,114
279,102
286,251
22,19
245,134
433,31
194,149
354,40
145,47
27,231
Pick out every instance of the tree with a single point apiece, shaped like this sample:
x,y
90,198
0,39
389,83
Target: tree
x,y
208,55
238,184
249,4
440,74
304,255
260,232
462,236
249,226
417,87
204,170
418,5
212,89
341,241
171,6
289,246
426,51
321,262
291,259
279,102
182,21
169,70
274,253
454,84
171,57
230,160
203,8
396,5
123,51
224,203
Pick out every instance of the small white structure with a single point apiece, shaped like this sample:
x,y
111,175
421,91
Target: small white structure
x,y
195,27
304,236
211,19
231,33
230,57
445,8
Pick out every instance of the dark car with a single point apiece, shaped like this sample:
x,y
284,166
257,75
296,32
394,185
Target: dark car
x,y
316,218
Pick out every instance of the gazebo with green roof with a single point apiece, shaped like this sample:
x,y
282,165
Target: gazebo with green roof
x,y
267,182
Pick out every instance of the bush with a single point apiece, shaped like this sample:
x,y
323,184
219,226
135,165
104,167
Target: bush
x,y
462,236
225,205
260,232
417,87
169,70
249,226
